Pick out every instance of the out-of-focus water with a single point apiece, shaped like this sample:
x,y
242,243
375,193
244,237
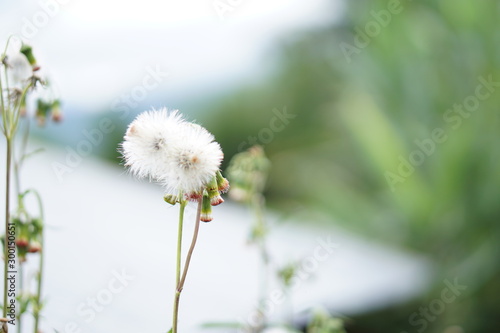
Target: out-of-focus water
x,y
110,254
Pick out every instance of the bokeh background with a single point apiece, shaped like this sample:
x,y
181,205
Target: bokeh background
x,y
367,83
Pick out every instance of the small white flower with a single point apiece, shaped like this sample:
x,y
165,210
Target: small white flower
x,y
162,146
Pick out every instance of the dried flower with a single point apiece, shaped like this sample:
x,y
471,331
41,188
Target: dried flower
x,y
162,146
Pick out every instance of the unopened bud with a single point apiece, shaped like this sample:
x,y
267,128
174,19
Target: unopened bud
x,y
34,247
56,111
206,209
213,193
42,109
171,199
22,107
194,196
28,53
22,242
216,199
222,183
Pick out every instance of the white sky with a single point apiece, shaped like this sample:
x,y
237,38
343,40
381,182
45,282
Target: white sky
x,y
97,50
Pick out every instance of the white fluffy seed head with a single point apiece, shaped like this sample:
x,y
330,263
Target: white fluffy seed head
x,y
164,147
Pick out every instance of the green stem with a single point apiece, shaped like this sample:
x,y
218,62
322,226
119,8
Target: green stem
x,y
290,305
7,218
2,102
4,110
20,277
180,286
179,254
18,163
17,108
7,44
258,206
7,85
38,302
39,286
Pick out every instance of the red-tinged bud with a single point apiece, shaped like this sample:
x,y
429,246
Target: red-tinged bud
x,y
194,196
42,110
217,200
206,218
206,209
212,184
57,118
34,247
56,111
213,192
222,183
22,242
23,111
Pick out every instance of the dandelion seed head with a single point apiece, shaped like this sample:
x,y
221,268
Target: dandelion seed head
x,y
163,146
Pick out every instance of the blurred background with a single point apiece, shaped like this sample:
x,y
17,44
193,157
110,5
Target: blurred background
x,y
381,116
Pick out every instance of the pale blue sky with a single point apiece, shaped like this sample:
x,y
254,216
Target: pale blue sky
x,y
98,50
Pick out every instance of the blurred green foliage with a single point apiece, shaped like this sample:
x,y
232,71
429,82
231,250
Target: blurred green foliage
x,y
358,116
356,120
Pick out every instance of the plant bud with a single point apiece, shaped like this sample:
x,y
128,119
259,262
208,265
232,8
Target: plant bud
x,y
28,53
206,209
171,199
222,183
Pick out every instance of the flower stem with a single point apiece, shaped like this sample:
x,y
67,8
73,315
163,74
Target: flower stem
x,y
7,218
39,288
38,302
178,263
21,286
258,203
180,286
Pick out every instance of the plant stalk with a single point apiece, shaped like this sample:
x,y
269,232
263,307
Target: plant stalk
x,y
21,286
258,202
38,304
40,269
180,286
7,219
179,254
